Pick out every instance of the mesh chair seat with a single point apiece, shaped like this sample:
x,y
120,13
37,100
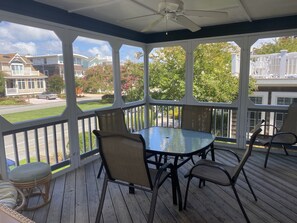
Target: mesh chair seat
x,y
204,170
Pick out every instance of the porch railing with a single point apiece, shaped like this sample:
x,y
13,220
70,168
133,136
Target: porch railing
x,y
48,142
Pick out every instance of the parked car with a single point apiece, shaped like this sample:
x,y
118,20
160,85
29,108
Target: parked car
x,y
47,96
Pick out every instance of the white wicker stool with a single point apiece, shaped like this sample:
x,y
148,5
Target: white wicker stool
x,y
32,176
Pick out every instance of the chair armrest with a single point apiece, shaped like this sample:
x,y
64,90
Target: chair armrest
x,y
214,166
275,129
226,150
160,171
281,134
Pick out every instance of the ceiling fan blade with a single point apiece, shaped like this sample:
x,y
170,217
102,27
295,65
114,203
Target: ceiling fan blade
x,y
205,13
187,23
93,4
153,24
136,17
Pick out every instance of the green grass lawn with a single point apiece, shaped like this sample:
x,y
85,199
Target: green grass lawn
x,y
54,111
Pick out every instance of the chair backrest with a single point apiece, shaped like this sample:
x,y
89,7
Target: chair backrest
x,y
123,156
247,153
196,118
112,120
290,121
257,126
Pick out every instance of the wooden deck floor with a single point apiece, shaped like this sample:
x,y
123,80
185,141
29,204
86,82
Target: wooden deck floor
x,y
75,197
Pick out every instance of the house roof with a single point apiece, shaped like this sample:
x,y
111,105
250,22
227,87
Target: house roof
x,y
10,57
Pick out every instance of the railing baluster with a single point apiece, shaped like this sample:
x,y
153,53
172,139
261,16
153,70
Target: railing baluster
x,y
16,150
90,134
27,146
37,145
63,142
46,145
55,143
83,135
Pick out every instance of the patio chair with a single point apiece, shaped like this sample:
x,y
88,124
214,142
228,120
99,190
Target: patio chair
x,y
112,120
222,174
196,118
285,136
124,159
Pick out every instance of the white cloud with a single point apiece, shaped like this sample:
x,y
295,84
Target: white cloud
x,y
18,47
94,51
25,48
15,38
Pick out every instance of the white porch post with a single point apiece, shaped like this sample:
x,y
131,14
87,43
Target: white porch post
x,y
71,111
118,101
146,85
189,98
243,92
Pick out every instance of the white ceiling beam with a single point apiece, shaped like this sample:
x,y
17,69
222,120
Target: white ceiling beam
x,y
243,8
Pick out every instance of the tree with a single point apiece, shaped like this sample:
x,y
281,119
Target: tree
x,y
167,73
213,79
98,79
55,84
2,83
278,44
132,76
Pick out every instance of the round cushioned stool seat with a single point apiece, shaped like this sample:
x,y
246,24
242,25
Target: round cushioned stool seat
x,y
29,172
30,176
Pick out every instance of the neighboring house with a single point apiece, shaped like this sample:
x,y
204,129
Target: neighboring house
x,y
20,76
98,60
53,64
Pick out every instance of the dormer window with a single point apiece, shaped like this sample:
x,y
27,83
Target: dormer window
x,y
17,68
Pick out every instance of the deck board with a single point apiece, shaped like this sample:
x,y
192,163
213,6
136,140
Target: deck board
x,y
75,196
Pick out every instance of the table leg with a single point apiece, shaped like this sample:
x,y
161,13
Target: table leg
x,y
212,152
177,186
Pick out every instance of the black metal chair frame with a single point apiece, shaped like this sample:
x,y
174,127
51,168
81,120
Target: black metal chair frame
x,y
221,168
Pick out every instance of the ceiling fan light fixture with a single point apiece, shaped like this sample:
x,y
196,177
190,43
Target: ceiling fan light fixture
x,y
170,6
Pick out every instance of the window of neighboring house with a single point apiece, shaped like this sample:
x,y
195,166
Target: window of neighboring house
x,y
17,69
60,60
39,83
94,82
21,84
132,73
255,117
31,84
256,100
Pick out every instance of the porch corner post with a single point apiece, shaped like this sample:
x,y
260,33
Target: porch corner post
x,y
146,86
118,101
243,92
189,73
71,110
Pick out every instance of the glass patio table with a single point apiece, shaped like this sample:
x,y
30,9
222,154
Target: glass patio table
x,y
177,143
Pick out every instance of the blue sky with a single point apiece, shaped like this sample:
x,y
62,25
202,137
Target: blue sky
x,y
15,38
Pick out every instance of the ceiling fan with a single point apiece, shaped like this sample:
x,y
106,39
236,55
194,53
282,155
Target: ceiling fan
x,y
174,11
